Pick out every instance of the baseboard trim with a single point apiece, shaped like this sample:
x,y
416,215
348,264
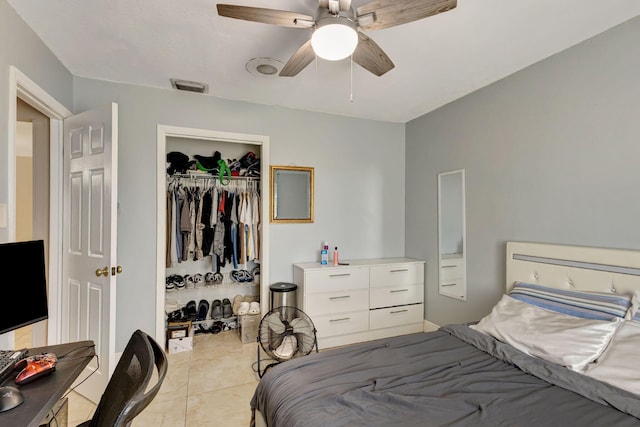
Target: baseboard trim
x,y
429,326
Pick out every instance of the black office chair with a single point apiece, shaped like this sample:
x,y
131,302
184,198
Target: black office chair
x,y
126,394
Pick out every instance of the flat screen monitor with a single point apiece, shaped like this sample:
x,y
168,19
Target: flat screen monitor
x,y
23,292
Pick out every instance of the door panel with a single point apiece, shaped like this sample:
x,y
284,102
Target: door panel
x,y
73,302
89,240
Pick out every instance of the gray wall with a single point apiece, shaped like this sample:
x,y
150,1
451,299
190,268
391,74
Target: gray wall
x,y
20,47
551,155
359,193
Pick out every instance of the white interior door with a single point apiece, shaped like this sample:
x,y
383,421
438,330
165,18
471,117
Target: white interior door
x,y
89,239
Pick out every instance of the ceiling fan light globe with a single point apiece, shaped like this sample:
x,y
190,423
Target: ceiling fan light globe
x,y
334,41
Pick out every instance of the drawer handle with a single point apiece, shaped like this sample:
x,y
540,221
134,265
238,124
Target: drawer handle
x,y
342,297
399,271
449,266
448,284
399,290
340,275
399,311
340,320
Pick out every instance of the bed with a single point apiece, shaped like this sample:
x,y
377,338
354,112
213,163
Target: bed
x,y
559,348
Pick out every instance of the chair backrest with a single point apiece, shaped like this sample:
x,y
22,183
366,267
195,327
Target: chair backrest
x,y
126,394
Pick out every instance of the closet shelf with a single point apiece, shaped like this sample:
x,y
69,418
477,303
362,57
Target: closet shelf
x,y
228,285
209,320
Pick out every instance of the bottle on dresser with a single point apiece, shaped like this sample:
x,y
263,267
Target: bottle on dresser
x,y
324,254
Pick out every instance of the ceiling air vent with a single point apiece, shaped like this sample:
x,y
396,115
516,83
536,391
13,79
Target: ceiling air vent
x,y
189,86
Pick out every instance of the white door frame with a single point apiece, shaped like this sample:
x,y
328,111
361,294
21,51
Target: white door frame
x,y
21,86
203,134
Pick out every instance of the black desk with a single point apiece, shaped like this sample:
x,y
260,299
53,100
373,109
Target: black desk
x,y
42,394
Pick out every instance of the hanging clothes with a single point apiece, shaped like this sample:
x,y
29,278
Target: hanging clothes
x,y
204,219
185,224
256,225
218,234
234,230
207,229
228,243
198,226
169,219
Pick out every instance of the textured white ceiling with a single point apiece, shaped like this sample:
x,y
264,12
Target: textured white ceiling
x,y
438,59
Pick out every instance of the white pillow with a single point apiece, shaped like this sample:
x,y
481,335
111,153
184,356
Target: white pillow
x,y
569,341
634,310
618,365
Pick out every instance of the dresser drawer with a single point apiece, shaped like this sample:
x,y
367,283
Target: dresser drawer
x,y
398,295
336,302
339,324
336,279
395,316
396,275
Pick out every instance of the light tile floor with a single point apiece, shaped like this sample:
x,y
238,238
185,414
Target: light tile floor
x,y
210,385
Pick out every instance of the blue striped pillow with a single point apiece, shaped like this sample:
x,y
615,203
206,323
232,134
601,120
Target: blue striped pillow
x,y
588,305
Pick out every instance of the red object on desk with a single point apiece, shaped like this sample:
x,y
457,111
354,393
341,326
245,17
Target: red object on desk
x,y
34,367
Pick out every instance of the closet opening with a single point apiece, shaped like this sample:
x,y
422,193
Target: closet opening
x,y
213,207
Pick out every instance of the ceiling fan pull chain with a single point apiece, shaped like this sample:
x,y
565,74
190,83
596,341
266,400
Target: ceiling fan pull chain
x,y
351,82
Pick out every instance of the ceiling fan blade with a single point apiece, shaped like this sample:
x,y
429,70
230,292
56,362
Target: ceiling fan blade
x,y
282,18
371,57
389,13
299,60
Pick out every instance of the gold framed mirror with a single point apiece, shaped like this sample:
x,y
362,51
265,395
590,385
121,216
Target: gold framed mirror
x,y
291,194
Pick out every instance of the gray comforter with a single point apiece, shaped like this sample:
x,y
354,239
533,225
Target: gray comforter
x,y
451,377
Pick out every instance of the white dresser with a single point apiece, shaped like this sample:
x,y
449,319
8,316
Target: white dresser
x,y
366,300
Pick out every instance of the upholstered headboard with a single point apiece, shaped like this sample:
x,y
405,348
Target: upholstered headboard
x,y
573,267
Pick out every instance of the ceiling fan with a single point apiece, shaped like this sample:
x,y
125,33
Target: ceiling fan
x,y
337,28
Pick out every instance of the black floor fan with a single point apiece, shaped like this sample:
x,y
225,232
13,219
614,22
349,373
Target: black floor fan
x,y
284,334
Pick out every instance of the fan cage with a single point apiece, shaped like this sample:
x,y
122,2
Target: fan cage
x,y
286,333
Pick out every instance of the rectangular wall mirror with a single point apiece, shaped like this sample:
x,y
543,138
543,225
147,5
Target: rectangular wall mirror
x,y
291,194
452,267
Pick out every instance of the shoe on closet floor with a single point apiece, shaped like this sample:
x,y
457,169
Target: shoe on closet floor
x,y
216,309
190,310
176,316
209,279
188,281
227,310
244,308
254,308
216,327
169,285
203,309
248,298
198,280
236,303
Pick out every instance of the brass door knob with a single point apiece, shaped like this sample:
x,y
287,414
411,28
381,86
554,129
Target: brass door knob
x,y
104,271
116,270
